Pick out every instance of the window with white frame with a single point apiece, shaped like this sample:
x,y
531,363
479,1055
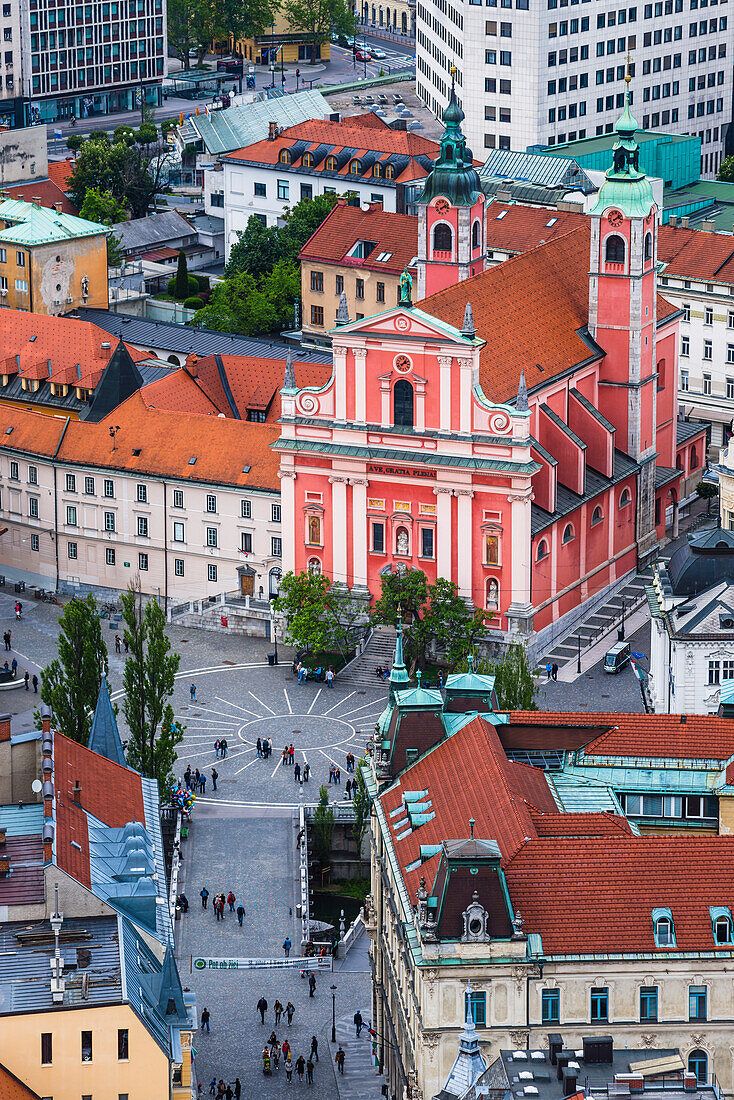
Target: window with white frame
x,y
33,475
109,521
686,311
708,350
71,551
35,542
143,526
142,494
211,536
211,502
178,532
684,380
14,470
212,572
71,483
730,389
246,509
71,515
685,346
109,487
89,486
708,316
714,672
33,507
275,513
178,567
109,555
178,498
707,383
143,562
276,548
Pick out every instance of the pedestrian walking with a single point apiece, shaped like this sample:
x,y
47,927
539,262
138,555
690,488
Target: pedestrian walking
x,y
297,773
187,777
306,771
27,678
286,1049
358,1022
275,1053
262,1007
348,789
205,1020
118,647
223,746
229,1094
192,693
241,915
309,1072
259,747
202,783
237,1088
278,1010
289,1069
213,1086
231,899
314,1047
554,670
204,895
215,777
287,947
548,670
34,681
289,1010
6,639
339,1059
311,984
19,611
330,677
14,666
300,1066
284,757
338,776
216,748
291,752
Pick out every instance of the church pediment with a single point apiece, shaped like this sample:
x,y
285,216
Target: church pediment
x,y
412,324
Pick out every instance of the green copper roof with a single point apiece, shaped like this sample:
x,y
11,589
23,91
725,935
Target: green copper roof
x,y
626,187
29,224
398,672
453,174
419,698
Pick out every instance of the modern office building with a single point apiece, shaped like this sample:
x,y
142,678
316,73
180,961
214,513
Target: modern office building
x,y
551,72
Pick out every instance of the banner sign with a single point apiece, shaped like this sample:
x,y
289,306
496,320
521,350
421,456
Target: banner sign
x,y
401,471
300,962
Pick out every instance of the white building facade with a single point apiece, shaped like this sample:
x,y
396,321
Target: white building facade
x,y
543,72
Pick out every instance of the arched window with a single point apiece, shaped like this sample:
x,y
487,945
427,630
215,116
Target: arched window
x,y
377,171
443,238
614,249
722,930
568,533
694,458
648,246
542,550
308,160
661,374
404,23
374,10
331,164
403,404
388,17
355,167
475,235
596,516
389,172
678,462
285,156
492,598
314,531
381,17
274,578
314,566
664,932
625,498
698,1063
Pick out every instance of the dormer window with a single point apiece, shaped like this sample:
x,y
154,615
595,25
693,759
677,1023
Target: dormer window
x,y
377,171
355,167
308,160
389,172
285,156
662,922
722,924
331,164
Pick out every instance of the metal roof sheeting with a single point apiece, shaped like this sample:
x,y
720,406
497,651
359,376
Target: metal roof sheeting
x,y
536,168
224,131
22,822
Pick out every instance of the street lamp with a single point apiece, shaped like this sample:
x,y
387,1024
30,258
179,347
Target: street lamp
x,y
282,70
620,632
578,661
333,1013
114,429
274,631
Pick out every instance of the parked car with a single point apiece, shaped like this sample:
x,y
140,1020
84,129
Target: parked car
x,y
363,55
378,54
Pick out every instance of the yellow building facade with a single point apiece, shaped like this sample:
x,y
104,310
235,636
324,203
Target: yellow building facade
x,y
262,48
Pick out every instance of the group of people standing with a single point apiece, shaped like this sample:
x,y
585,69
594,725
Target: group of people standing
x,y
274,1052
220,900
221,748
264,747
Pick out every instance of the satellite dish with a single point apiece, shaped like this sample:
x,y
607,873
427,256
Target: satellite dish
x,y
36,786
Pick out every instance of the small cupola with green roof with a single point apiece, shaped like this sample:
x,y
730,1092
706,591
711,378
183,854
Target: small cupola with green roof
x,y
451,210
626,187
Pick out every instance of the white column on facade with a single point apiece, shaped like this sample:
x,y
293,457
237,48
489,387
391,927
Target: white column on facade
x,y
289,527
466,369
359,532
464,543
339,529
520,545
360,356
444,406
340,372
385,400
443,531
420,403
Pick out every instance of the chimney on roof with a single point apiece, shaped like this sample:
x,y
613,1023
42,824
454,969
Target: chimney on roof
x,y
708,226
684,223
272,131
57,207
106,345
76,792
673,221
374,206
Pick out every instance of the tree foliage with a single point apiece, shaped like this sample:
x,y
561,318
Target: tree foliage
x,y
323,827
707,491
103,207
515,682
726,170
194,24
181,283
74,143
132,172
237,305
148,682
318,18
70,683
320,617
430,612
362,808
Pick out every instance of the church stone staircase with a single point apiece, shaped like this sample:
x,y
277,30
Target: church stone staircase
x,y
380,650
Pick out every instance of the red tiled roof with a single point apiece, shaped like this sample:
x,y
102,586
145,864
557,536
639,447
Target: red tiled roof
x,y
12,1088
530,783
693,253
591,824
656,736
44,192
586,895
517,228
176,392
253,383
348,134
60,171
346,225
528,309
72,841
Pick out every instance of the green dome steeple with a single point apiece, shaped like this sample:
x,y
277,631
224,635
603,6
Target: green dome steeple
x,y
626,187
453,174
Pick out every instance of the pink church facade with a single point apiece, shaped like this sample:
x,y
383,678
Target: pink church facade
x,y
515,431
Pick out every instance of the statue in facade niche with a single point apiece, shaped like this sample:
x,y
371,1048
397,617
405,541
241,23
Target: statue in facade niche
x,y
406,288
85,286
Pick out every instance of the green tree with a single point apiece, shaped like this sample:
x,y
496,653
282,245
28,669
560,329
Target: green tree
x,y
103,207
133,174
70,683
114,250
148,682
515,682
147,134
300,222
255,252
282,287
237,305
323,827
706,490
320,617
123,134
318,18
181,285
74,143
726,170
362,808
192,25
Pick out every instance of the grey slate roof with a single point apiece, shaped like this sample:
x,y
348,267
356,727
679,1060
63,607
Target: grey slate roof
x,y
185,340
567,501
708,557
687,428
223,131
105,736
153,231
120,379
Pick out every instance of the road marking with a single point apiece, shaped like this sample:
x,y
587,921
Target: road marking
x,y
351,693
290,708
351,713
248,765
235,706
262,704
314,700
229,717
280,764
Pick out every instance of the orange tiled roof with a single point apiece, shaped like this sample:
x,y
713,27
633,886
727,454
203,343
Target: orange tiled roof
x,y
349,134
516,228
584,824
32,342
396,234
695,254
529,309
253,383
178,392
12,1088
60,171
44,192
658,736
